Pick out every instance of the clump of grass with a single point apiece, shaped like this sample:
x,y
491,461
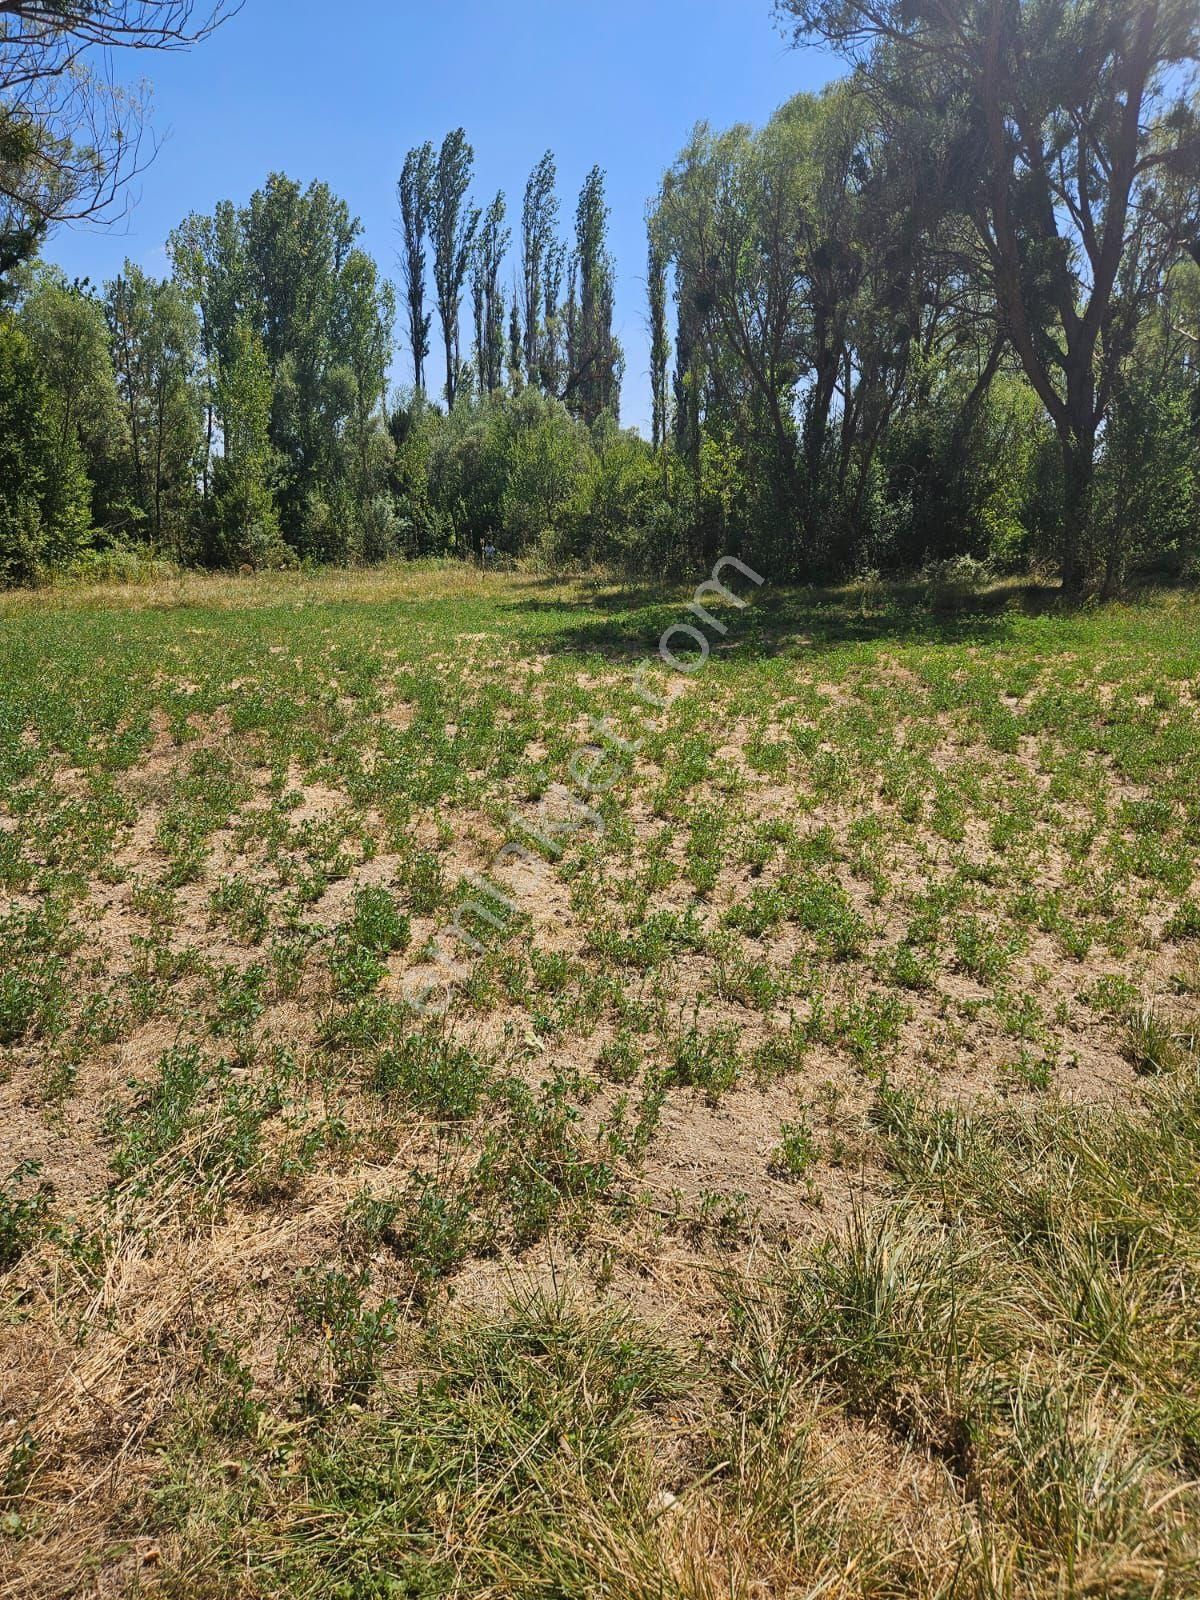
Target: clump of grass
x,y
621,1059
243,906
1185,923
333,1338
1031,1071
1113,995
429,1073
536,1168
23,1213
378,925
982,952
546,1413
1154,1043
797,1153
890,1316
376,930
707,1059
433,1229
193,1120
911,968
821,907
780,1054
34,950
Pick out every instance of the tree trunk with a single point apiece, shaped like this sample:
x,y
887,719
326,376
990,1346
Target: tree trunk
x,y
451,371
1079,470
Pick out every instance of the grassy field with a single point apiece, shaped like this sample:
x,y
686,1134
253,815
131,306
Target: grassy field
x,y
483,1113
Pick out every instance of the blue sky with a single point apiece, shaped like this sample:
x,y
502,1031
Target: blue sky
x,y
340,93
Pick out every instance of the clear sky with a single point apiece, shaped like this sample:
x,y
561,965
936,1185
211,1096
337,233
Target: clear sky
x,y
341,92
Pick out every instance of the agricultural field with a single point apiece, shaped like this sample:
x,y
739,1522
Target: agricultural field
x,y
486,1112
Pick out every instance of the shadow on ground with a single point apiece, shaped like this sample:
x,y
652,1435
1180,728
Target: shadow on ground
x,y
628,621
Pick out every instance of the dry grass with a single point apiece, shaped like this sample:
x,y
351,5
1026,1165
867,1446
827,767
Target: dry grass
x,y
799,1196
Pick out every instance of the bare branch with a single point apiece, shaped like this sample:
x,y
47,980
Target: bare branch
x,y
71,137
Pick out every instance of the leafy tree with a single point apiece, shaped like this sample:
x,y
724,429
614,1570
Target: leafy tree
x,y
660,342
155,348
516,348
44,492
452,228
244,517
491,246
287,266
30,192
66,326
365,338
809,297
1054,130
551,354
207,261
71,136
542,460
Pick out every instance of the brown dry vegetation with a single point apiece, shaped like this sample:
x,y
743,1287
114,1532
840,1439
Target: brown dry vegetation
x,y
798,1196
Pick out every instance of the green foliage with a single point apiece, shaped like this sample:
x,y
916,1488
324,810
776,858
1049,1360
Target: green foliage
x,y
432,1076
1148,484
44,498
243,513
22,1214
154,342
864,382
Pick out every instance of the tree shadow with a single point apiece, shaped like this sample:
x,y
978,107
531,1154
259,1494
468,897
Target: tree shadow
x,y
625,621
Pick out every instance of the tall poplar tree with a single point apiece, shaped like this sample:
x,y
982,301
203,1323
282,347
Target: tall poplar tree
x,y
539,225
415,194
660,341
452,229
491,246
594,358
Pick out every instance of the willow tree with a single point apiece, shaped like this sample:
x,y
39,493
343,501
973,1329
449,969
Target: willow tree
x,y
1057,131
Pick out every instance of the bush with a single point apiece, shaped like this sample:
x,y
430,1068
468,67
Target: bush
x,y
380,531
121,564
952,584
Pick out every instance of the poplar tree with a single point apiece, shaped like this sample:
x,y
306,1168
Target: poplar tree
x,y
550,346
452,229
245,517
491,246
539,224
516,347
660,341
594,358
155,336
415,194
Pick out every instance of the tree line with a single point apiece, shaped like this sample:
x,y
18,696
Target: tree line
x,y
237,411
946,310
